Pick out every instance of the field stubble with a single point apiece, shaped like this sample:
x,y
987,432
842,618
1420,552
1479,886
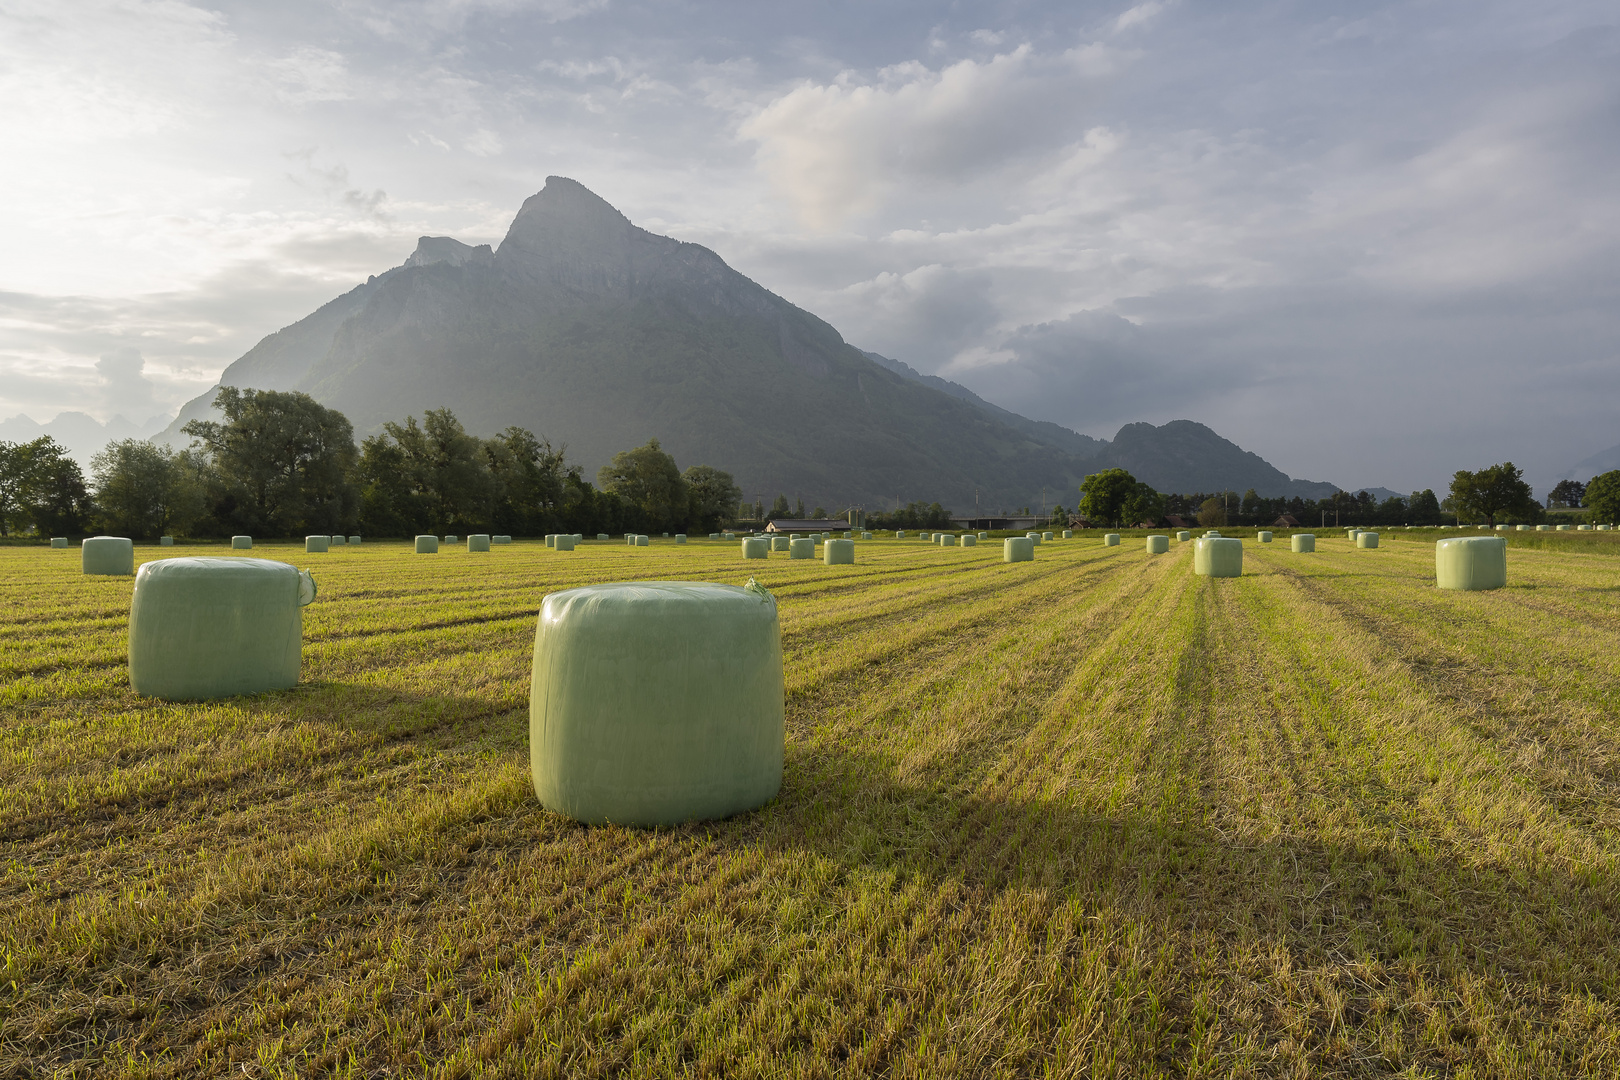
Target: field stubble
x,y
1090,815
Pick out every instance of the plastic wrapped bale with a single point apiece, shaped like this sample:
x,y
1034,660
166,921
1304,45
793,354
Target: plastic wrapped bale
x,y
1158,545
1034,538
1018,549
838,552
947,540
923,536
315,545
1302,542
780,543
1583,528
1521,528
1046,536
59,541
1366,539
427,545
1213,534
203,628
1542,528
355,540
801,547
866,536
666,536
642,540
1263,536
110,555
500,539
480,542
1218,556
603,536
452,538
848,535
566,543
1183,535
1111,540
1470,562
1068,534
163,541
656,703
755,547
984,536
551,540
714,536
680,538
1501,528
969,540
1563,528
1601,528
241,543
899,534
728,536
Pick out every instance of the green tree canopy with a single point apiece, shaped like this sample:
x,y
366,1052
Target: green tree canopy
x,y
1499,491
1104,495
1570,493
1212,513
144,489
1143,506
41,487
1424,508
283,461
780,508
648,478
1603,498
711,496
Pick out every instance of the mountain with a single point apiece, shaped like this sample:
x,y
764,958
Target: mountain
x,y
80,433
599,335
1597,464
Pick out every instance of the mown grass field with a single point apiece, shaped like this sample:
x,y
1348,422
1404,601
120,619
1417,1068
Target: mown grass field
x,y
1087,816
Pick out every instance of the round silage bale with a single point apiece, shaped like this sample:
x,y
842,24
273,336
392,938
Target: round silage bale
x,y
1302,542
202,628
1470,563
1583,528
241,543
1366,539
754,547
899,534
801,547
680,538
947,539
452,538
551,540
642,540
1543,528
1046,536
1183,536
969,540
780,542
1158,545
1563,528
163,541
666,536
566,542
1218,556
924,536
315,545
480,542
1111,540
355,540
427,545
1018,549
866,536
838,552
1501,528
1521,528
603,536
59,541
1263,536
1213,534
984,536
113,556
1033,538
656,703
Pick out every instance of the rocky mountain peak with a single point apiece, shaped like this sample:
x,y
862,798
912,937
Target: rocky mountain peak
x,y
444,249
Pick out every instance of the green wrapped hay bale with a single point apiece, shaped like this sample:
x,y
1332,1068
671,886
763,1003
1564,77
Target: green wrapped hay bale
x,y
1583,528
202,628
1563,528
500,538
666,536
1213,534
1034,538
848,535
1470,563
1158,545
801,547
642,540
427,545
899,534
109,555
947,540
1366,539
566,542
1522,528
480,542
1111,540
656,703
1501,528
728,536
315,545
1263,536
838,552
1046,536
754,547
1183,535
924,536
551,540
603,536
452,539
163,541
241,543
1216,556
1603,528
1018,549
680,538
59,542
1302,542
969,540
1543,528
866,536
984,536
780,543
1068,534
353,540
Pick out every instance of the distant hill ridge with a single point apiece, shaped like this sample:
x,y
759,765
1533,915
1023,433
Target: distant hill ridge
x,y
599,335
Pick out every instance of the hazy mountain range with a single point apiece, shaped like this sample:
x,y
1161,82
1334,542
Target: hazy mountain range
x,y
599,335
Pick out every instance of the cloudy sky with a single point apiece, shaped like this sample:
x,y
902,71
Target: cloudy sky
x,y
1373,244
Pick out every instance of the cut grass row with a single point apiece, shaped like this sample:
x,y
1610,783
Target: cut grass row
x,y
1087,816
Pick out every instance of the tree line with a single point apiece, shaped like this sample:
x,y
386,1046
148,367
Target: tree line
x,y
281,464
